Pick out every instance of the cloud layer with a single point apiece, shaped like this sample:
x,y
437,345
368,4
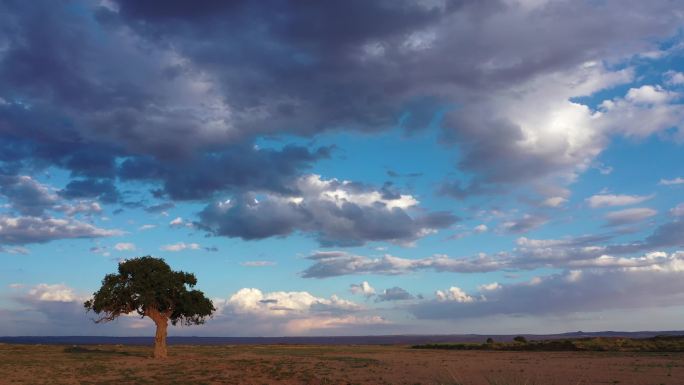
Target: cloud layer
x,y
658,284
25,230
335,212
206,87
223,115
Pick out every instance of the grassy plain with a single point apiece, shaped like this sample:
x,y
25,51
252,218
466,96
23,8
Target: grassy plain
x,y
665,343
317,364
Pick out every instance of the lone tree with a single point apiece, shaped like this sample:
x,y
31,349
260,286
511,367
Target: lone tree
x,y
149,287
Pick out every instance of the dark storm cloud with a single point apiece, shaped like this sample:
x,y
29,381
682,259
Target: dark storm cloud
x,y
380,70
246,219
97,162
302,67
307,70
79,95
29,197
486,142
46,125
346,225
318,47
336,213
160,10
67,74
26,195
237,168
36,203
36,135
103,190
176,95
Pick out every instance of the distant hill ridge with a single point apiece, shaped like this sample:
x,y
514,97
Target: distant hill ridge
x,y
322,340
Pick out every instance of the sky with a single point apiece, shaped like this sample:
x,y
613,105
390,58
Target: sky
x,y
346,168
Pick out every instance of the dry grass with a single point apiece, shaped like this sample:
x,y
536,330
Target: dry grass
x,y
658,344
288,364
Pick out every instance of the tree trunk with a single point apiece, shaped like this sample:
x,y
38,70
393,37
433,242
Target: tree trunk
x,y
160,339
162,322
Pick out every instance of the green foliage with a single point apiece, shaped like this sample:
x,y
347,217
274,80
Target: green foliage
x,y
146,283
520,339
672,343
490,340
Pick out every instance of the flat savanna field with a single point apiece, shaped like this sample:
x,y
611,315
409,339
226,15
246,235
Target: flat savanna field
x,y
329,364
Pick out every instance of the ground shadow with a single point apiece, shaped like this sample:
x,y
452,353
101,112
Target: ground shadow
x,y
81,349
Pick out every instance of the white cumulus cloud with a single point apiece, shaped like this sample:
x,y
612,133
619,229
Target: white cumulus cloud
x,y
124,246
610,200
364,288
180,246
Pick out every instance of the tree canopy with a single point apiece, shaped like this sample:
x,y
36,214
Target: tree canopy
x,y
148,286
147,283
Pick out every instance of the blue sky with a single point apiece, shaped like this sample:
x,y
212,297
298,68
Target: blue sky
x,y
351,168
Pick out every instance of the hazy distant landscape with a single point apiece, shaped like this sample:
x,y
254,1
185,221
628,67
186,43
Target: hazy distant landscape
x,y
322,340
